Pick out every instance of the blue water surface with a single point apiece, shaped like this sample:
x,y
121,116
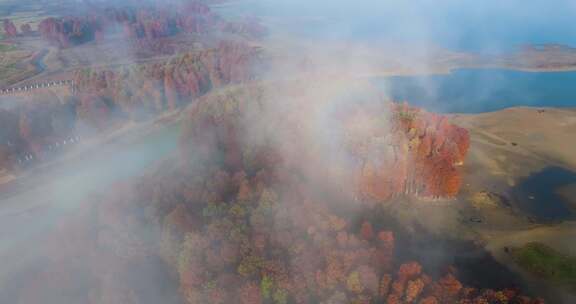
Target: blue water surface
x,y
483,26
482,90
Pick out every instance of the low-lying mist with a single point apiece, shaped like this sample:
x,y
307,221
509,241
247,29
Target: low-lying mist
x,y
263,170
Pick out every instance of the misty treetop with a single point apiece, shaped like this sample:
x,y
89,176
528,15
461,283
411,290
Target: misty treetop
x,y
10,29
142,90
236,221
421,158
143,24
107,98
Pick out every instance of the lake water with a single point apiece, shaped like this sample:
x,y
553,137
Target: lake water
x,y
537,196
479,26
483,90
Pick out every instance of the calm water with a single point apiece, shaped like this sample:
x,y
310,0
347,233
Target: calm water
x,y
480,26
536,196
480,90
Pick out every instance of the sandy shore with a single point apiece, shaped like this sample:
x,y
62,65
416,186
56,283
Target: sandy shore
x,y
507,147
518,141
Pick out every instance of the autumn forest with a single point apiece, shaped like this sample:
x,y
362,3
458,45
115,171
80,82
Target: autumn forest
x,y
274,194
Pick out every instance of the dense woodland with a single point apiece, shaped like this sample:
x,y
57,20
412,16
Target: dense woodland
x,y
264,203
10,29
144,90
143,24
36,128
421,158
231,220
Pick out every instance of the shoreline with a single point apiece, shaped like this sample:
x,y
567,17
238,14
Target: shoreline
x,y
486,212
508,147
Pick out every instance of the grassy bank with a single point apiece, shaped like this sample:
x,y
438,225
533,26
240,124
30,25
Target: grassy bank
x,y
547,263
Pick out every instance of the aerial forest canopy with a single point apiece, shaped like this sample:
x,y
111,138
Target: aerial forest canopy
x,y
254,211
143,24
278,174
396,149
144,90
269,203
105,98
269,217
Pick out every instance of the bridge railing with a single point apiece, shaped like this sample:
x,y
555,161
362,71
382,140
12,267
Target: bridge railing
x,y
34,86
